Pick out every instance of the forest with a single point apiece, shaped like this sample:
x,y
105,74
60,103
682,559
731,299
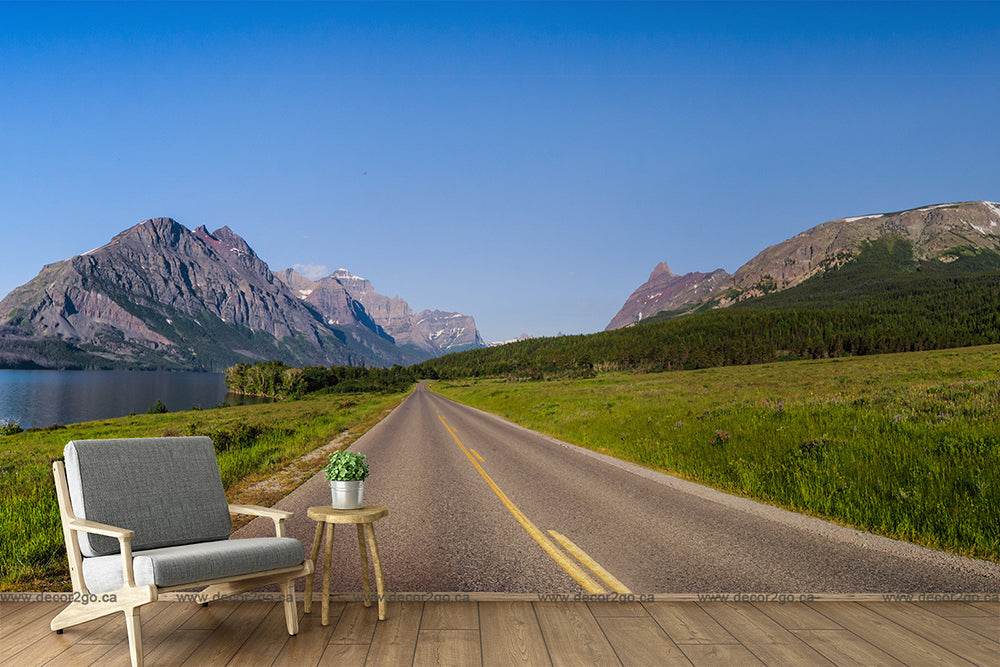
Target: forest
x,y
882,301
275,379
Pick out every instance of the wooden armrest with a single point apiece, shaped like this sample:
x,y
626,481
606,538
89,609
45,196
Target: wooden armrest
x,y
278,516
257,510
100,528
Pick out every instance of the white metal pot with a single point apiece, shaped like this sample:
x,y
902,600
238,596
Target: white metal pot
x,y
347,495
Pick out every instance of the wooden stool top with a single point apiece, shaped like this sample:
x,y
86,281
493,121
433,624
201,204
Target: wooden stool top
x,y
366,514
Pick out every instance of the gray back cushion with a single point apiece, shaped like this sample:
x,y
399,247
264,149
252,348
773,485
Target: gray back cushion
x,y
168,490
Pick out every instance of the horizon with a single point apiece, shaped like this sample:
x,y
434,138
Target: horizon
x,y
525,164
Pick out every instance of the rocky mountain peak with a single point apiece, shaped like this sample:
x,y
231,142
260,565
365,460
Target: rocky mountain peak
x,y
224,240
160,295
666,290
935,231
355,284
165,231
428,334
661,271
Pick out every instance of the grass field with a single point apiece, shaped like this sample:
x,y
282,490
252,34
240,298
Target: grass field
x,y
252,443
905,445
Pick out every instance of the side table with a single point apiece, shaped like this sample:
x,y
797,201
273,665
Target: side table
x,y
365,519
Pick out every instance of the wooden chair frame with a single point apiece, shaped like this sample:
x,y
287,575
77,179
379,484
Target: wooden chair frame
x,y
87,607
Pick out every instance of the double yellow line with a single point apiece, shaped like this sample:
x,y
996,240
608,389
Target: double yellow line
x,y
557,555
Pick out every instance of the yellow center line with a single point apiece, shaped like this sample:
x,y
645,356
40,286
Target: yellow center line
x,y
594,566
481,459
558,556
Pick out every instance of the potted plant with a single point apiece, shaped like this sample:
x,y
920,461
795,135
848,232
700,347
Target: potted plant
x,y
347,472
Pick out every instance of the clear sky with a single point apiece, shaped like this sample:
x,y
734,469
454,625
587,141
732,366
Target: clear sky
x,y
525,164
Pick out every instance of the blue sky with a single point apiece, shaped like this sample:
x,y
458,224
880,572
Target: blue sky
x,y
527,164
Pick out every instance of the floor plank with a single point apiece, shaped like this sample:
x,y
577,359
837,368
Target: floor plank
x,y
640,641
573,636
155,631
599,609
992,608
80,654
230,635
510,635
687,623
766,638
951,609
959,640
712,655
210,617
44,647
356,624
896,640
843,647
307,647
15,614
520,632
32,625
450,616
7,608
111,628
987,626
794,616
346,655
395,638
447,647
264,644
181,645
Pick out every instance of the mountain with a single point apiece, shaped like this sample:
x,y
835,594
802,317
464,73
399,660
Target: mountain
x,y
429,333
940,233
159,295
936,232
667,291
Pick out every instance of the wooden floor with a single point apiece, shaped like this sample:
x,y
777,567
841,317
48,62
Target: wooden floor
x,y
520,632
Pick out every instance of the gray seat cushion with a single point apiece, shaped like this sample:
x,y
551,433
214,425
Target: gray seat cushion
x,y
192,563
167,490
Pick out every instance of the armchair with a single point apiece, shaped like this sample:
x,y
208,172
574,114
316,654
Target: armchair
x,y
144,516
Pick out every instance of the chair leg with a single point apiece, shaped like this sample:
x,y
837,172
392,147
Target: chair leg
x,y
308,597
291,613
133,626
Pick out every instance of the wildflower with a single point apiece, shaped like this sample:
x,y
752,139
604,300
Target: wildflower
x,y
720,435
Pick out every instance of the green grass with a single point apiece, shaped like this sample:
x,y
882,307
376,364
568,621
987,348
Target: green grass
x,y
252,442
904,445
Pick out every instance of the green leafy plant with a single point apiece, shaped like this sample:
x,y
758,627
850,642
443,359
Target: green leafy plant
x,y
346,467
9,427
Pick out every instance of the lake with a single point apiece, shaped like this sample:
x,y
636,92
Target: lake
x,y
44,398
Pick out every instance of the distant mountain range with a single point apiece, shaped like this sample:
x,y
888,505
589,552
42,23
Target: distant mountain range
x,y
342,298
940,233
159,295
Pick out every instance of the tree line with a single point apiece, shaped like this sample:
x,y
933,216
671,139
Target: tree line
x,y
275,379
884,301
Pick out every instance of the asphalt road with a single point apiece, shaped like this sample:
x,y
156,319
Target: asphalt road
x,y
473,499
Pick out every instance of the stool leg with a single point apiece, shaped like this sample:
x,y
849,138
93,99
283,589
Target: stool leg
x,y
377,562
308,601
365,581
325,619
